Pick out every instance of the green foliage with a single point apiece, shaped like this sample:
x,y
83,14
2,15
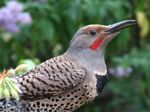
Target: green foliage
x,y
133,92
55,22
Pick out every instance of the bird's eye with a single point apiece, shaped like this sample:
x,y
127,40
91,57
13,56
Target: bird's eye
x,y
93,32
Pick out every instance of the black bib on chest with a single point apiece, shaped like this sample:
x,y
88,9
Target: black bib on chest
x,y
101,81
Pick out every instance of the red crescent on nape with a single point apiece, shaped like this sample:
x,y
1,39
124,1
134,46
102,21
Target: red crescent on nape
x,y
97,43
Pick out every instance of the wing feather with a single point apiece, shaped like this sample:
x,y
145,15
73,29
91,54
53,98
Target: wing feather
x,y
52,77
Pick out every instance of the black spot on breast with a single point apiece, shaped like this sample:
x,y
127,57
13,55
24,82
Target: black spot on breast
x,y
101,81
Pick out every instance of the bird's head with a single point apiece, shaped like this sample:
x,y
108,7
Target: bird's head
x,y
96,37
89,43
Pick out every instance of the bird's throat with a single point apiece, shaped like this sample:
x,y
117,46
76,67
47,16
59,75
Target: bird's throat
x,y
97,43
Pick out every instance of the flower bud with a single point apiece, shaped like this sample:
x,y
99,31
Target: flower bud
x,y
11,72
21,69
15,94
6,93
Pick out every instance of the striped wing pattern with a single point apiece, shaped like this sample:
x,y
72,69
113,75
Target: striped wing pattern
x,y
52,77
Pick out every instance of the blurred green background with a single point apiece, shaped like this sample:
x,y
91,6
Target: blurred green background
x,y
52,27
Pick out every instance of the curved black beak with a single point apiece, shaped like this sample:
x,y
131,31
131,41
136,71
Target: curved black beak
x,y
120,25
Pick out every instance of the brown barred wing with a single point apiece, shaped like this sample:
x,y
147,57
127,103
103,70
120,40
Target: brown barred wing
x,y
52,77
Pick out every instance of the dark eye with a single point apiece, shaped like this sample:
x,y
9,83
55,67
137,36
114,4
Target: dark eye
x,y
93,32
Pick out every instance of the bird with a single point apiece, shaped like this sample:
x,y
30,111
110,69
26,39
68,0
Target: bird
x,y
68,81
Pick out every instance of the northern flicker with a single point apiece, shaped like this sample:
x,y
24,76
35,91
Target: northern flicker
x,y
66,82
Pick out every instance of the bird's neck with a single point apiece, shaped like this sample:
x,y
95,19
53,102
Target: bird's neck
x,y
91,60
